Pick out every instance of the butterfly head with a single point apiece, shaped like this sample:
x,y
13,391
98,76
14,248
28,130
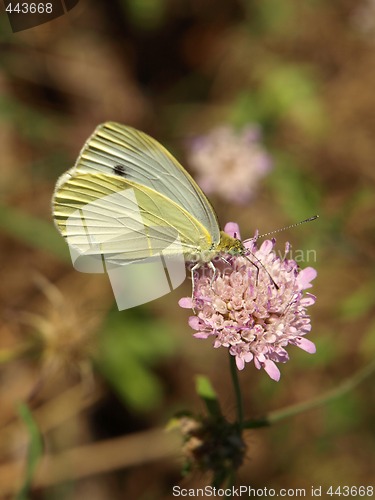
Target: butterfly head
x,y
230,245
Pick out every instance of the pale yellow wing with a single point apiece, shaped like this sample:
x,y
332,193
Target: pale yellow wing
x,y
115,149
113,216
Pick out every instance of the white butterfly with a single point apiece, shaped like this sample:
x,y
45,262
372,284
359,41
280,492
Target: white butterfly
x,y
136,199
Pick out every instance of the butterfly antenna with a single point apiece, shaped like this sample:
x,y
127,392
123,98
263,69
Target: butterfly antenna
x,y
284,228
259,264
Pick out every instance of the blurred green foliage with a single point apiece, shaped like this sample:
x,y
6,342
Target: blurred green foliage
x,y
294,190
271,16
33,231
283,92
359,303
145,14
132,344
21,115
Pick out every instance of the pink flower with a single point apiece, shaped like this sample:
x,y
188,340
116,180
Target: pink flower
x,y
255,307
228,163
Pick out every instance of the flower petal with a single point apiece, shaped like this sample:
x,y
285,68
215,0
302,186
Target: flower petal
x,y
202,335
186,303
266,247
240,363
305,344
305,276
271,369
232,229
309,300
195,323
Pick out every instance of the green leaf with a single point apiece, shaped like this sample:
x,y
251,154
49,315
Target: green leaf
x,y
206,392
35,450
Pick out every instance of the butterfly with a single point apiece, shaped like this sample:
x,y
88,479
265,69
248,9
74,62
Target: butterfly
x,y
127,199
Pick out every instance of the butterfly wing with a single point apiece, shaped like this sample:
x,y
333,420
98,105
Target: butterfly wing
x,y
127,153
124,220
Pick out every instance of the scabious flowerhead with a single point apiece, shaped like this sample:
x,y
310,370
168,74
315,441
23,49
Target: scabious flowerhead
x,y
211,444
255,307
228,163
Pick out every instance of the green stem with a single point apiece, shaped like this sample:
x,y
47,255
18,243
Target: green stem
x,y
237,390
349,384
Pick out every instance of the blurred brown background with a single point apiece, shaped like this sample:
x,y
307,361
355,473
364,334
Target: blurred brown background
x,y
305,73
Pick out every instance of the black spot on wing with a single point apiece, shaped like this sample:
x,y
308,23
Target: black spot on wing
x,y
120,170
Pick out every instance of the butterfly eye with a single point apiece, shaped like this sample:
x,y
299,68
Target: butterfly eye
x,y
119,170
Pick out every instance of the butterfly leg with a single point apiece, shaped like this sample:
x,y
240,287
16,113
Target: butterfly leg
x,y
194,268
211,266
258,264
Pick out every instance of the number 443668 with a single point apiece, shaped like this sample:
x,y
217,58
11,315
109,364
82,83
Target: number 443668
x,y
29,8
346,491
